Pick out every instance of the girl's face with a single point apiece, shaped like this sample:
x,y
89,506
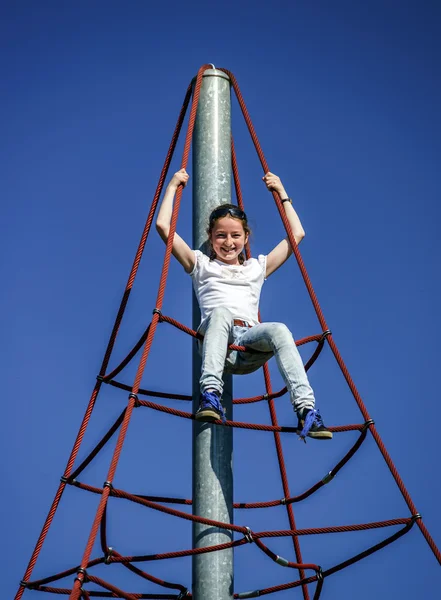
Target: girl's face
x,y
228,239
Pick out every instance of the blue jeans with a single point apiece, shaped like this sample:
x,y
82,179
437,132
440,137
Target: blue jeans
x,y
267,339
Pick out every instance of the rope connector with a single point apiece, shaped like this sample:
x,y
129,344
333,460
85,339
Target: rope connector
x,y
416,516
328,477
82,572
283,501
281,561
265,396
135,397
249,535
100,378
183,594
157,311
108,555
24,583
325,335
108,484
252,594
367,424
319,574
68,480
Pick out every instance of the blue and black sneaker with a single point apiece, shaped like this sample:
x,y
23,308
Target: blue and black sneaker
x,y
210,408
311,424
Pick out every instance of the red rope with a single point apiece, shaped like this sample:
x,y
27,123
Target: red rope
x,y
174,586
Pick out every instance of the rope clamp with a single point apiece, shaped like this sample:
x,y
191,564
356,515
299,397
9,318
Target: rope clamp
x,y
265,396
68,480
416,516
249,535
108,484
183,594
108,555
135,396
82,572
325,335
328,477
368,424
157,311
100,378
319,574
283,501
252,594
24,583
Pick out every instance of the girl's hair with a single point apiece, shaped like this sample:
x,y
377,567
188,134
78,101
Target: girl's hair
x,y
222,211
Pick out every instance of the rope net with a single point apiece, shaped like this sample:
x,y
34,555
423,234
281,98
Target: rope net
x,y
304,574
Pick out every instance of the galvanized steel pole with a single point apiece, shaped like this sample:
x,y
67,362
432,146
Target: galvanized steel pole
x,y
212,444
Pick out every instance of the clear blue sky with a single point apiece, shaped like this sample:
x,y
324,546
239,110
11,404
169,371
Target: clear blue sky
x,y
345,98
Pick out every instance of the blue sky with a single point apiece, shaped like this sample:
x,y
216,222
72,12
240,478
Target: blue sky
x,y
345,99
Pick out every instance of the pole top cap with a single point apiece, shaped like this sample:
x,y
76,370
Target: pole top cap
x,y
215,73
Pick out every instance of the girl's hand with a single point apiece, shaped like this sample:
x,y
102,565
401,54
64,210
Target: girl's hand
x,y
179,178
273,183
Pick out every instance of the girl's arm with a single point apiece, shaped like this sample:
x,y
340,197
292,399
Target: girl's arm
x,y
181,250
282,251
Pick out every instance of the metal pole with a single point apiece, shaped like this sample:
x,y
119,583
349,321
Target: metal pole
x,y
212,444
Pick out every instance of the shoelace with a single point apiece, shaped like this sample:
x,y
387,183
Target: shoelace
x,y
211,400
312,417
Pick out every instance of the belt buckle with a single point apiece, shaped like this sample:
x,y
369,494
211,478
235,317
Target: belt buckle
x,y
241,323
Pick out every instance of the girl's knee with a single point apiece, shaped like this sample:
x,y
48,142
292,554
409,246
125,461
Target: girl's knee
x,y
281,335
280,330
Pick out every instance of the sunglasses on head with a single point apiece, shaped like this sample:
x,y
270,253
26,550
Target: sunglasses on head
x,y
223,211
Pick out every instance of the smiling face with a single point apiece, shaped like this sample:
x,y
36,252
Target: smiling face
x,y
228,239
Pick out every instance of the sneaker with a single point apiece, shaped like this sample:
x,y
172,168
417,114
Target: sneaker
x,y
311,424
210,408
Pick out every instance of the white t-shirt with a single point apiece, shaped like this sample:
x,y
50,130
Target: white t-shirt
x,y
237,287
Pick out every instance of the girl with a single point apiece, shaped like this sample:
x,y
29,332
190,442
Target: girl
x,y
228,289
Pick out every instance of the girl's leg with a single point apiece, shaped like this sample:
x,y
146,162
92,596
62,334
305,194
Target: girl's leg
x,y
276,338
217,336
